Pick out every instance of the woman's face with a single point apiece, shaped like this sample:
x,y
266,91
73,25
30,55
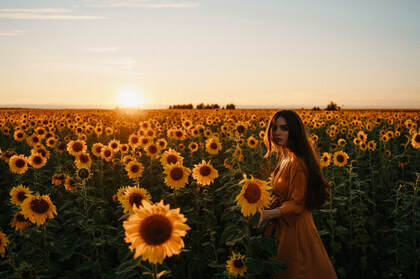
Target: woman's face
x,y
280,131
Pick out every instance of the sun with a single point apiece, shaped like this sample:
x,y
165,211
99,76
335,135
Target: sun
x,y
130,99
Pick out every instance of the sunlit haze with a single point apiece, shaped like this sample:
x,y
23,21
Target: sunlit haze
x,y
253,53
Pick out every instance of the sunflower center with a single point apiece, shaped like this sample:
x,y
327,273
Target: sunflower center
x,y
20,163
417,138
150,133
35,139
252,142
172,159
135,198
152,149
114,146
134,140
238,263
37,160
340,158
83,173
252,193
213,145
176,173
134,168
240,129
145,141
156,229
21,196
178,134
84,158
107,153
39,206
205,170
77,147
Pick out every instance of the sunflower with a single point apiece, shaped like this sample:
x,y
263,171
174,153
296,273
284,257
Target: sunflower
x,y
83,173
38,208
152,150
213,145
362,136
133,196
325,159
193,146
33,140
240,127
162,143
3,243
236,265
124,148
70,184
171,157
341,142
51,142
371,145
58,179
114,145
42,150
19,193
176,175
76,147
204,173
134,140
37,161
18,164
134,169
19,222
106,153
83,160
254,196
252,142
340,158
121,192
97,149
387,153
415,140
155,231
363,146
19,135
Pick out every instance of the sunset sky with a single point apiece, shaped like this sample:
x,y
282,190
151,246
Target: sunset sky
x,y
257,53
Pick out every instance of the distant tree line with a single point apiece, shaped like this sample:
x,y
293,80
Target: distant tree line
x,y
330,106
201,106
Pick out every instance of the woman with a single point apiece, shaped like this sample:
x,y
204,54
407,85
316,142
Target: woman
x,y
298,187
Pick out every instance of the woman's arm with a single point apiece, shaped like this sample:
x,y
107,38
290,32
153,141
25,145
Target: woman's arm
x,y
296,200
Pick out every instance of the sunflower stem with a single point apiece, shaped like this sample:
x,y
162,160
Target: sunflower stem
x,y
154,271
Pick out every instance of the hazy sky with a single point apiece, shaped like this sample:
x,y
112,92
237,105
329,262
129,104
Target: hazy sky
x,y
247,52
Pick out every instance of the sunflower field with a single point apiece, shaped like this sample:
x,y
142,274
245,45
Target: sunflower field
x,y
177,193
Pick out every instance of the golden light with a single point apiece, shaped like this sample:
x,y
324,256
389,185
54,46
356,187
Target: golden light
x,y
130,99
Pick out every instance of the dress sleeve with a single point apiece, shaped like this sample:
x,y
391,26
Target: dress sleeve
x,y
295,203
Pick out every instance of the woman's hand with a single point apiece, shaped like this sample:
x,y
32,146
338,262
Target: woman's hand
x,y
263,218
268,214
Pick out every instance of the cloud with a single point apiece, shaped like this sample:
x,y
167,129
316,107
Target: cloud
x,y
43,14
11,33
157,4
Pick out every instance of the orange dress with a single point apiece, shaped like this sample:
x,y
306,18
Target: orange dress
x,y
298,242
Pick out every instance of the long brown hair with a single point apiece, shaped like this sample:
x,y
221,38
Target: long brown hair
x,y
318,188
